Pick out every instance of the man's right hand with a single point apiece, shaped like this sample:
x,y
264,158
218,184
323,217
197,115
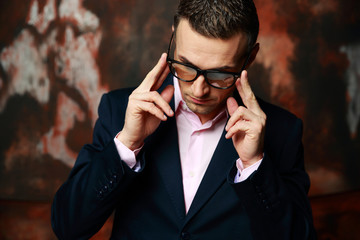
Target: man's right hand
x,y
146,107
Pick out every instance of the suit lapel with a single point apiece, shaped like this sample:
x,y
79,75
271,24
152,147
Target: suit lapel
x,y
165,149
215,175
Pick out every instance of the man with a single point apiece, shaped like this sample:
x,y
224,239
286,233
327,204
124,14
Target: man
x,y
192,154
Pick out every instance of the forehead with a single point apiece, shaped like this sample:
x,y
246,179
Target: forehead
x,y
207,53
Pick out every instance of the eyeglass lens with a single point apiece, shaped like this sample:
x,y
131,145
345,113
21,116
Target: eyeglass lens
x,y
216,79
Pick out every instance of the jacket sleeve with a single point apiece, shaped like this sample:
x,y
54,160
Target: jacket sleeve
x,y
275,195
99,178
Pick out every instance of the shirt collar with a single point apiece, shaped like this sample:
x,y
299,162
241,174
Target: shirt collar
x,y
177,94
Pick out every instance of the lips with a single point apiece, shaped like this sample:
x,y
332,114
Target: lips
x,y
199,101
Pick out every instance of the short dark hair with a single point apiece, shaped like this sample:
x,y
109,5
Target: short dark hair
x,y
220,18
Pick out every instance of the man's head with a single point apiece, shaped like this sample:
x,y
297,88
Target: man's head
x,y
220,18
213,36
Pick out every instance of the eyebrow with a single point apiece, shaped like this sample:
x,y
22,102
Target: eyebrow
x,y
186,61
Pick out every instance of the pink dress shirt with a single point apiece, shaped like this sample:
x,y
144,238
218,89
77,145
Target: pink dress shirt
x,y
197,143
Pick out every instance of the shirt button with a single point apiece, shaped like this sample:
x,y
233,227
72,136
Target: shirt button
x,y
191,174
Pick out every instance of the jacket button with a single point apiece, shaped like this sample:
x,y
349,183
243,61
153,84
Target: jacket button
x,y
100,194
185,236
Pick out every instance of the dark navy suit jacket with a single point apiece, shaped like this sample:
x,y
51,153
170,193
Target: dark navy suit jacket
x,y
271,204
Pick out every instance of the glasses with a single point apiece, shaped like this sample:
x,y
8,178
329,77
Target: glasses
x,y
215,78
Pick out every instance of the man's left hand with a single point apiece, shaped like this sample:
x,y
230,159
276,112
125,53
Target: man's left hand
x,y
246,125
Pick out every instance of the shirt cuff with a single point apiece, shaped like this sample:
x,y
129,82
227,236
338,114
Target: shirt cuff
x,y
243,173
127,155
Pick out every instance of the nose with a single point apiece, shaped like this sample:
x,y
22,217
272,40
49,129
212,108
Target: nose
x,y
199,87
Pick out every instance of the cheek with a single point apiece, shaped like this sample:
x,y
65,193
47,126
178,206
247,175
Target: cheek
x,y
184,86
223,95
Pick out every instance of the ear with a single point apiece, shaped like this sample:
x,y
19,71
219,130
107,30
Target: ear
x,y
172,28
253,54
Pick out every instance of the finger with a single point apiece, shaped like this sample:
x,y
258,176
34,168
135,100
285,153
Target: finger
x,y
247,95
240,126
241,114
167,95
153,110
252,129
232,105
161,79
157,99
246,121
154,75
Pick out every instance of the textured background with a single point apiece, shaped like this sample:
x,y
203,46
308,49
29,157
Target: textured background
x,y
57,57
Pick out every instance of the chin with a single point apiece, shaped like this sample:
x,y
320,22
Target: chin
x,y
202,110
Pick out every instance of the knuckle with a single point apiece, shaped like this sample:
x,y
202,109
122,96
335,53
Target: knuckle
x,y
240,110
151,94
259,127
250,97
153,109
264,116
132,96
262,120
238,125
154,95
263,123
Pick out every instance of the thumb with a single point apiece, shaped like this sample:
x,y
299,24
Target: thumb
x,y
232,105
167,93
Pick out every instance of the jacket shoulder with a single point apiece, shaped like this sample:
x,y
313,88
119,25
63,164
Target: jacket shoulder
x,y
276,113
119,94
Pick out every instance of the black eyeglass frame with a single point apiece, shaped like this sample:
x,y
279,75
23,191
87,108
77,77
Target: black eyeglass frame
x,y
203,72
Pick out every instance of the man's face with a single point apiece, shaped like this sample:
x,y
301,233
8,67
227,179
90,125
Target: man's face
x,y
207,53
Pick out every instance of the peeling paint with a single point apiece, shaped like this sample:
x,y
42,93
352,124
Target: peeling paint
x,y
54,142
42,20
276,47
73,11
25,62
275,54
27,69
353,86
76,63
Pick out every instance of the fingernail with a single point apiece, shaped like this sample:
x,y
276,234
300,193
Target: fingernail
x,y
164,117
171,112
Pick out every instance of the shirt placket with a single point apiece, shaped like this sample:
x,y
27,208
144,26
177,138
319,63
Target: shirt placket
x,y
195,163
